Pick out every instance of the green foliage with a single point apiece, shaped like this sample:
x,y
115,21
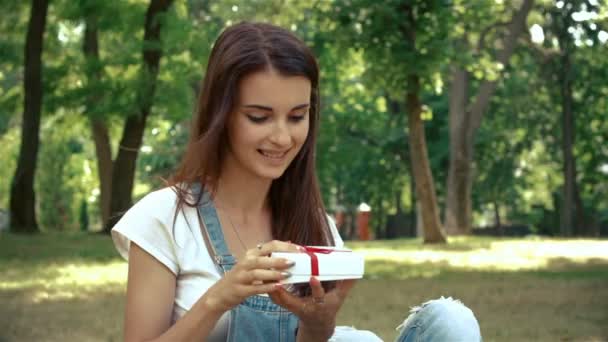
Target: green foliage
x,y
573,31
365,53
64,179
8,162
11,64
383,32
164,144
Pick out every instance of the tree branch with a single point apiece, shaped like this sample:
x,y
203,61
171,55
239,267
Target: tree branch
x,y
487,88
482,36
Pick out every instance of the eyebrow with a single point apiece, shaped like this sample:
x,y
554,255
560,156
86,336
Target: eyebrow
x,y
266,108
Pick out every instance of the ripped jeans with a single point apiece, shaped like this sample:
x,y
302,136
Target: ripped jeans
x,y
443,319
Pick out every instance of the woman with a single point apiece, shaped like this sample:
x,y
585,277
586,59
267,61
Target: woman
x,y
198,249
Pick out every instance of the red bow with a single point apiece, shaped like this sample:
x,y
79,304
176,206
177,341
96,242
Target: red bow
x,y
314,261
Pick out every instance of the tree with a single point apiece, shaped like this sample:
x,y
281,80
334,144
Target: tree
x,y
403,44
23,199
123,171
421,169
465,117
571,196
561,66
99,128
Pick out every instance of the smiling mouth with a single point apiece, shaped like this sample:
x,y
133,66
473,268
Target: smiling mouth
x,y
273,155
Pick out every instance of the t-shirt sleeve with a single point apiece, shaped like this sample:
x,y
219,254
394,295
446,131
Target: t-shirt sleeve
x,y
146,225
334,232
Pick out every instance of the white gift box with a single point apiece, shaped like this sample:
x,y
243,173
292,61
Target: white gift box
x,y
331,264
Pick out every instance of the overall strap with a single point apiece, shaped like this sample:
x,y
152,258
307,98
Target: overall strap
x,y
212,233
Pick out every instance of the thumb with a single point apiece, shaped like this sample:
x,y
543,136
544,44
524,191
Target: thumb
x,y
285,299
344,286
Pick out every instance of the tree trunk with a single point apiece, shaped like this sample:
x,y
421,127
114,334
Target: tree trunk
x,y
497,222
99,129
123,173
464,123
572,216
23,198
423,178
419,223
426,200
566,225
458,202
397,225
103,150
413,202
583,227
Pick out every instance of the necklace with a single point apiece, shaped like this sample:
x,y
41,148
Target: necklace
x,y
235,231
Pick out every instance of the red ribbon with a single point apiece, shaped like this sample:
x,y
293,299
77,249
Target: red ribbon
x,y
314,261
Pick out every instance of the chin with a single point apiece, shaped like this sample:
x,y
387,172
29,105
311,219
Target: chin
x,y
271,174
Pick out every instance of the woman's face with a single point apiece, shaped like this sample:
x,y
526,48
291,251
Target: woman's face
x,y
269,124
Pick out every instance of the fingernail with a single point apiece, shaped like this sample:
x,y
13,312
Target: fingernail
x,y
300,248
285,275
290,263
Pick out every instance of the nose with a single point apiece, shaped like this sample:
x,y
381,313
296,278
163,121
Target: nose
x,y
281,136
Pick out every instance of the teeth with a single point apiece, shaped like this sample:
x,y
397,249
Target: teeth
x,y
273,155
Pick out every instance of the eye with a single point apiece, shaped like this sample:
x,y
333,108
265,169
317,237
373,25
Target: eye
x,y
256,118
297,117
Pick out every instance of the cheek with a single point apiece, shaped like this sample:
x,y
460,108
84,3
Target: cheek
x,y
302,133
244,134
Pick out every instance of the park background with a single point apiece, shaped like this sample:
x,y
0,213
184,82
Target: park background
x,y
476,131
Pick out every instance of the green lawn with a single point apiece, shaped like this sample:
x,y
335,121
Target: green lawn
x,y
70,287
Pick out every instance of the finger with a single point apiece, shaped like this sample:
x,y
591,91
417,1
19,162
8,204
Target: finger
x,y
277,298
251,276
257,289
317,289
256,262
267,248
341,291
343,287
287,300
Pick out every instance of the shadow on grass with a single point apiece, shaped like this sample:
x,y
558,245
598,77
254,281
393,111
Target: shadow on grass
x,y
90,315
56,246
70,287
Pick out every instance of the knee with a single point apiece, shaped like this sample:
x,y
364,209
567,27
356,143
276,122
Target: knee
x,y
344,334
443,319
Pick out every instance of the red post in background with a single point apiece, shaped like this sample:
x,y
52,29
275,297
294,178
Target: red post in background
x,y
363,216
339,217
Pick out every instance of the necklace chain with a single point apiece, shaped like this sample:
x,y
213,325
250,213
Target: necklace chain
x,y
235,231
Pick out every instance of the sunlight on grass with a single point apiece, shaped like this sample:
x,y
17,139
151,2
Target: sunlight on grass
x,y
71,287
66,271
92,275
65,281
500,255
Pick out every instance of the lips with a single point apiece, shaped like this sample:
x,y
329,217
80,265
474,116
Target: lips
x,y
273,154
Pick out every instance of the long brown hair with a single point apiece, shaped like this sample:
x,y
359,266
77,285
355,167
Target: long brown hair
x,y
298,214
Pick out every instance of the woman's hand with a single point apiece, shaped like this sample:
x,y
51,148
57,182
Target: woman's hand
x,y
256,273
317,313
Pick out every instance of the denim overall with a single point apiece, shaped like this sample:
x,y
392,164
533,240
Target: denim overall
x,y
257,318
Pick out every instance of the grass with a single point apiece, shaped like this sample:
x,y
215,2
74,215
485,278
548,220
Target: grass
x,y
70,287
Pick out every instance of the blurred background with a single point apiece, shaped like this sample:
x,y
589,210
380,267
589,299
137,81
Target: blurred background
x,y
463,148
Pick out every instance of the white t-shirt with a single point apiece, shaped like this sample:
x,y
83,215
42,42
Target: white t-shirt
x,y
181,248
